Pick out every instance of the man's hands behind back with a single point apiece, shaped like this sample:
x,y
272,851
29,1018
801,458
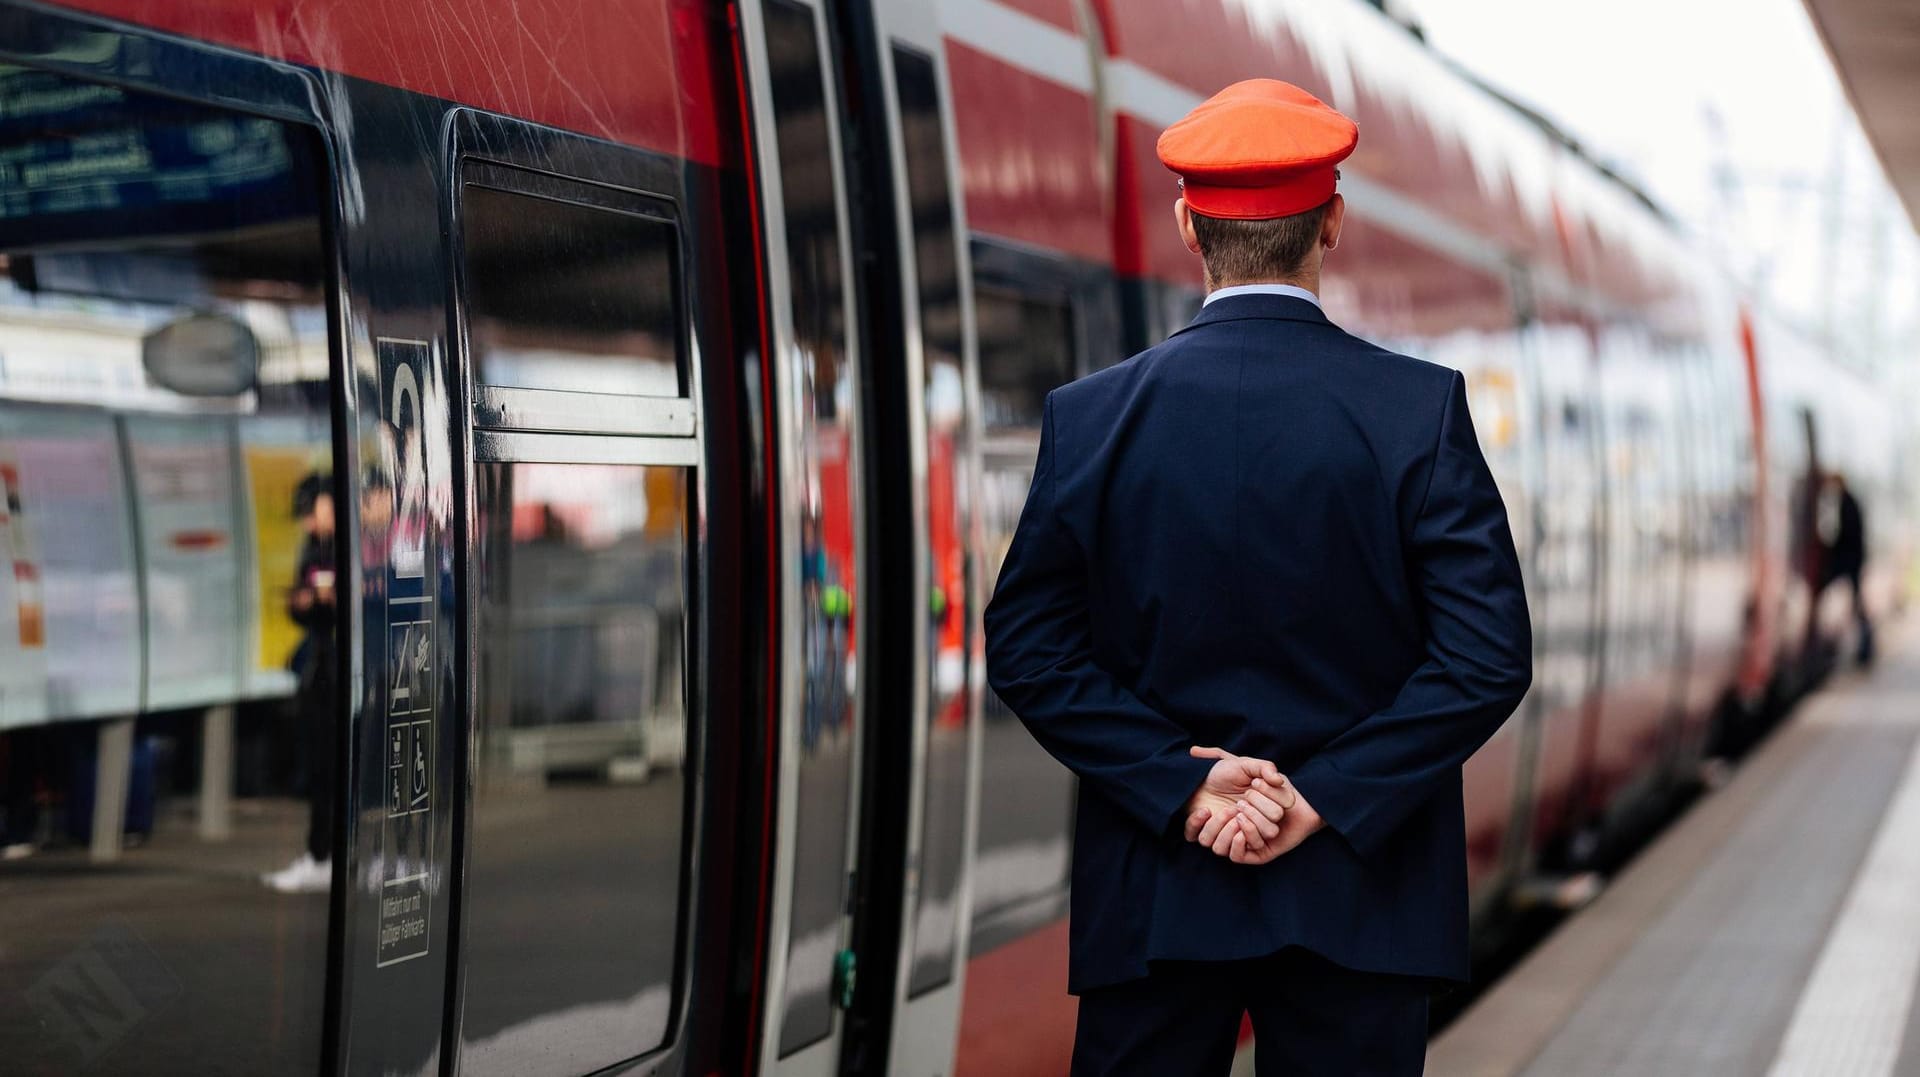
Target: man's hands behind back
x,y
1246,810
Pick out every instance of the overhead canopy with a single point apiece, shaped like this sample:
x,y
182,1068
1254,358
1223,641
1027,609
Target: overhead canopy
x,y
1875,44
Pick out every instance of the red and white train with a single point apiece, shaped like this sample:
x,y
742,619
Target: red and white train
x,y
676,366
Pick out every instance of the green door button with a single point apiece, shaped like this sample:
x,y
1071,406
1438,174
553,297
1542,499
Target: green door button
x,y
843,976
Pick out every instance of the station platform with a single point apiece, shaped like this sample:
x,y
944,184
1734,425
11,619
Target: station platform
x,y
1774,929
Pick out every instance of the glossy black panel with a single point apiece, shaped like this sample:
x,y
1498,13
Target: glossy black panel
x,y
824,484
169,642
950,616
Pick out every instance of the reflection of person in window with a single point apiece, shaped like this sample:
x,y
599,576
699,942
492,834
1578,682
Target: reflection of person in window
x,y
821,697
553,527
311,603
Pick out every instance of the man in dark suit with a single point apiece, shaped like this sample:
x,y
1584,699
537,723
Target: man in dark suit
x,y
1264,602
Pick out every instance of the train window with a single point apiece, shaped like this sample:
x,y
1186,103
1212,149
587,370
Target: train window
x,y
576,846
575,856
950,612
566,295
822,374
1024,835
169,698
1026,351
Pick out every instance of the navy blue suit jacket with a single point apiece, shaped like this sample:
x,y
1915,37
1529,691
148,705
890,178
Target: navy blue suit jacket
x,y
1268,535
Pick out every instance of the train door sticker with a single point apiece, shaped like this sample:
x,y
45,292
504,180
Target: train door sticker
x,y
408,687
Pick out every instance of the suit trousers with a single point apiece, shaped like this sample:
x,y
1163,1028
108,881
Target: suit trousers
x,y
1310,1017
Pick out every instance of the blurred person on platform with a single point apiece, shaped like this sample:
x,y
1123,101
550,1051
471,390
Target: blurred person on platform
x,y
1264,602
312,603
1847,558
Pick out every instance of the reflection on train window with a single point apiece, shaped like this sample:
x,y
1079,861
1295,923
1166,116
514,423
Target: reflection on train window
x,y
829,602
580,787
1026,351
569,296
168,712
1024,838
951,617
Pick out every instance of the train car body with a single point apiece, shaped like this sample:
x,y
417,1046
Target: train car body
x,y
673,370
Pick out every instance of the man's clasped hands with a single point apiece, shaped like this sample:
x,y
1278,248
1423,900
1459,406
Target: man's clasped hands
x,y
1246,810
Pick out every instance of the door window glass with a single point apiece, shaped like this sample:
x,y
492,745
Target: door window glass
x,y
574,860
169,702
829,602
950,613
570,297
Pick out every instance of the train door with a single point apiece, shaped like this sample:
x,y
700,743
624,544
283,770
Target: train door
x,y
924,693
1725,590
576,883
1643,567
811,968
942,393
1570,532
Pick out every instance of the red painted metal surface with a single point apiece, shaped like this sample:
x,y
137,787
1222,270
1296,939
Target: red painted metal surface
x,y
1386,287
1763,629
1145,241
1207,45
1401,148
639,73
1029,157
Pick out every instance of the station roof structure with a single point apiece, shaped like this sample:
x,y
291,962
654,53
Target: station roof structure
x,y
1875,45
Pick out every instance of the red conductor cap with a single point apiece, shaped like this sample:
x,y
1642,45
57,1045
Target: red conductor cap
x,y
1257,149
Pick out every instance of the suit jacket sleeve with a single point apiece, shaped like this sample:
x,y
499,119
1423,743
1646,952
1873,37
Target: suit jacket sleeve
x,y
1040,660
1461,563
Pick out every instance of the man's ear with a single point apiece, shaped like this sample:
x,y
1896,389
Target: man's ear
x,y
1183,219
1336,216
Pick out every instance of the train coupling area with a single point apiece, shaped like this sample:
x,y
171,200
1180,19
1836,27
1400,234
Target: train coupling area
x,y
1773,930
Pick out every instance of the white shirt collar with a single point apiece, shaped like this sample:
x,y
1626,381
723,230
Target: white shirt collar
x,y
1262,289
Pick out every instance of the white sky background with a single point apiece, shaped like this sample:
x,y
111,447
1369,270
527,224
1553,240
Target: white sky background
x,y
1640,84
